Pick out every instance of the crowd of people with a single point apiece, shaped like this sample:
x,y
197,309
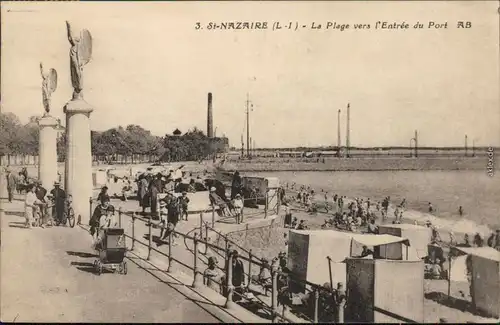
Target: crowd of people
x,y
37,204
363,213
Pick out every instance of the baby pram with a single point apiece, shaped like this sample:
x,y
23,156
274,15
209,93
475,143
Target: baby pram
x,y
111,250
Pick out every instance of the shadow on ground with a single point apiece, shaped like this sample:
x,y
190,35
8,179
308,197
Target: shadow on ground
x,y
90,268
15,224
82,264
81,254
15,213
155,239
174,284
452,302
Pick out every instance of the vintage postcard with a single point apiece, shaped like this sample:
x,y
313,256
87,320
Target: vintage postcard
x,y
250,161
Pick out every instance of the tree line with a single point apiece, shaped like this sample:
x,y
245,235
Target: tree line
x,y
133,140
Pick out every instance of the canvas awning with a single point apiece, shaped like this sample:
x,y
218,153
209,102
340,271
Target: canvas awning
x,y
378,240
485,252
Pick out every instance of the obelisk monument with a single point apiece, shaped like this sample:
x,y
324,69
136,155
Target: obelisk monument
x,y
78,168
47,143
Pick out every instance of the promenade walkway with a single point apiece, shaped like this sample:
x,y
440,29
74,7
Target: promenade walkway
x,y
47,276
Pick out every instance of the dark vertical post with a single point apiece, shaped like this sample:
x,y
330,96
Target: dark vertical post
x,y
229,284
466,148
348,131
278,205
266,203
206,239
330,270
248,127
316,304
120,217
210,126
150,222
133,231
449,275
213,216
250,258
170,259
90,209
274,293
338,134
197,280
416,144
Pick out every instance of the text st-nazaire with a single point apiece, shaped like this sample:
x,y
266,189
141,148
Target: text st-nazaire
x,y
342,27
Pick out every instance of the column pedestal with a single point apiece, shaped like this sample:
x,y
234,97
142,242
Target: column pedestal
x,y
78,165
47,151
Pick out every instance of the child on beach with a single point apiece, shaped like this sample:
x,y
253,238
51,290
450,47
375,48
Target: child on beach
x,y
163,217
183,202
238,208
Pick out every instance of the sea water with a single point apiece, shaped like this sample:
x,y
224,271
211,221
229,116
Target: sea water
x,y
475,191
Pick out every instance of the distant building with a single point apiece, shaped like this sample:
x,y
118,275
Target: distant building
x,y
177,132
221,144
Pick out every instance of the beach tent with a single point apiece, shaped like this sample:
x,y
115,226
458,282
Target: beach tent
x,y
485,276
308,251
384,246
419,237
99,178
384,291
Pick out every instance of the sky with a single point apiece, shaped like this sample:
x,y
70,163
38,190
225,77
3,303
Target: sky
x,y
151,67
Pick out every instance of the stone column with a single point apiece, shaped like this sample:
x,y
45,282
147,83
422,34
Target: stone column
x,y
78,167
47,151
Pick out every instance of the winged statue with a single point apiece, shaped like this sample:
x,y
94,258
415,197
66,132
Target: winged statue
x,y
49,85
79,55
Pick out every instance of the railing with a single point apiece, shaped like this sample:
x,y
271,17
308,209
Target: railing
x,y
228,289
267,198
320,300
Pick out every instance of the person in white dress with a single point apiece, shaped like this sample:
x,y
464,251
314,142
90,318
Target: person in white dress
x,y
238,208
30,205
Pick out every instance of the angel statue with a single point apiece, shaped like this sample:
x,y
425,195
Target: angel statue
x,y
49,85
79,55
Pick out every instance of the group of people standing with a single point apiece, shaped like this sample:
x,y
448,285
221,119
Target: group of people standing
x,y
37,204
150,185
172,210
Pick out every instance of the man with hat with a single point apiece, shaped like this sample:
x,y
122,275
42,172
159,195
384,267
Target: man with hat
x,y
101,209
239,277
103,195
40,193
58,197
183,202
107,220
11,183
173,212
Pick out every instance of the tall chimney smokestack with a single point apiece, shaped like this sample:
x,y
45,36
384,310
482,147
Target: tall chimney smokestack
x,y
348,131
416,144
210,124
339,144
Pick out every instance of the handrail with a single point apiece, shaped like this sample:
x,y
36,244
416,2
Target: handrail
x,y
251,259
254,259
226,237
194,238
197,240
